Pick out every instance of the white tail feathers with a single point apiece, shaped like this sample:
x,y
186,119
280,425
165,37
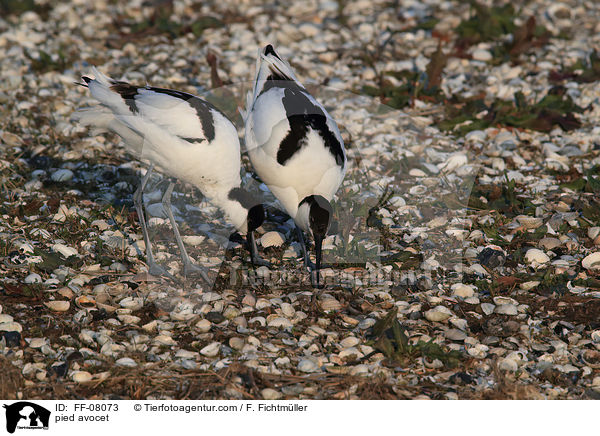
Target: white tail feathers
x,y
98,116
102,119
249,101
273,65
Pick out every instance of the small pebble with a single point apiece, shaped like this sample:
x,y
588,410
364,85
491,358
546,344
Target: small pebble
x,y
491,257
508,365
62,175
529,222
185,354
65,250
38,342
455,334
366,323
307,365
482,55
211,350
592,261
360,369
535,256
33,278
236,343
126,361
193,240
350,341
12,338
164,340
203,325
280,322
272,239
10,326
270,394
438,314
288,310
549,243
506,309
462,290
81,376
329,304
58,306
487,308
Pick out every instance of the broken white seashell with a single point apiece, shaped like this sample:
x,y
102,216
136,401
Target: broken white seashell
x,y
58,306
272,239
591,261
536,257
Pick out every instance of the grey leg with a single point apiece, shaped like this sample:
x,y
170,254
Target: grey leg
x,y
256,259
153,268
188,266
314,279
308,264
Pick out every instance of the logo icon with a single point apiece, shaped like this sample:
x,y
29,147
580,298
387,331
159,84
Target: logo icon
x,y
26,415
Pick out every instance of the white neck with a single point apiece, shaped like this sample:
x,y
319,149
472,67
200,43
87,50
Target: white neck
x,y
302,217
235,213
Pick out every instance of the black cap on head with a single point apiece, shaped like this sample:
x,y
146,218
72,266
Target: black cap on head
x,y
269,50
256,216
256,212
319,215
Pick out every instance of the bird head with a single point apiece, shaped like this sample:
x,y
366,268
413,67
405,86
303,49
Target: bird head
x,y
316,212
250,206
256,216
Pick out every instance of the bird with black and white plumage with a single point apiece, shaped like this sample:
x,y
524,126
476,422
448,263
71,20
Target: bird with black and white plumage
x,y
295,148
184,137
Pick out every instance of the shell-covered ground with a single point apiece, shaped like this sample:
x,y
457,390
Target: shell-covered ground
x,y
464,258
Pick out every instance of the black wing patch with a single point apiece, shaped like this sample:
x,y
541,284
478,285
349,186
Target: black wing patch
x,y
127,93
203,108
302,114
192,140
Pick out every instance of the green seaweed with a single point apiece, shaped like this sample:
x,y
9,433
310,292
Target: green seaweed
x,y
45,61
486,24
415,86
19,7
389,337
52,260
556,109
590,183
583,71
502,198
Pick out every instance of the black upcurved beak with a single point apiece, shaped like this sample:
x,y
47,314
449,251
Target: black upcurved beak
x,y
318,254
256,216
